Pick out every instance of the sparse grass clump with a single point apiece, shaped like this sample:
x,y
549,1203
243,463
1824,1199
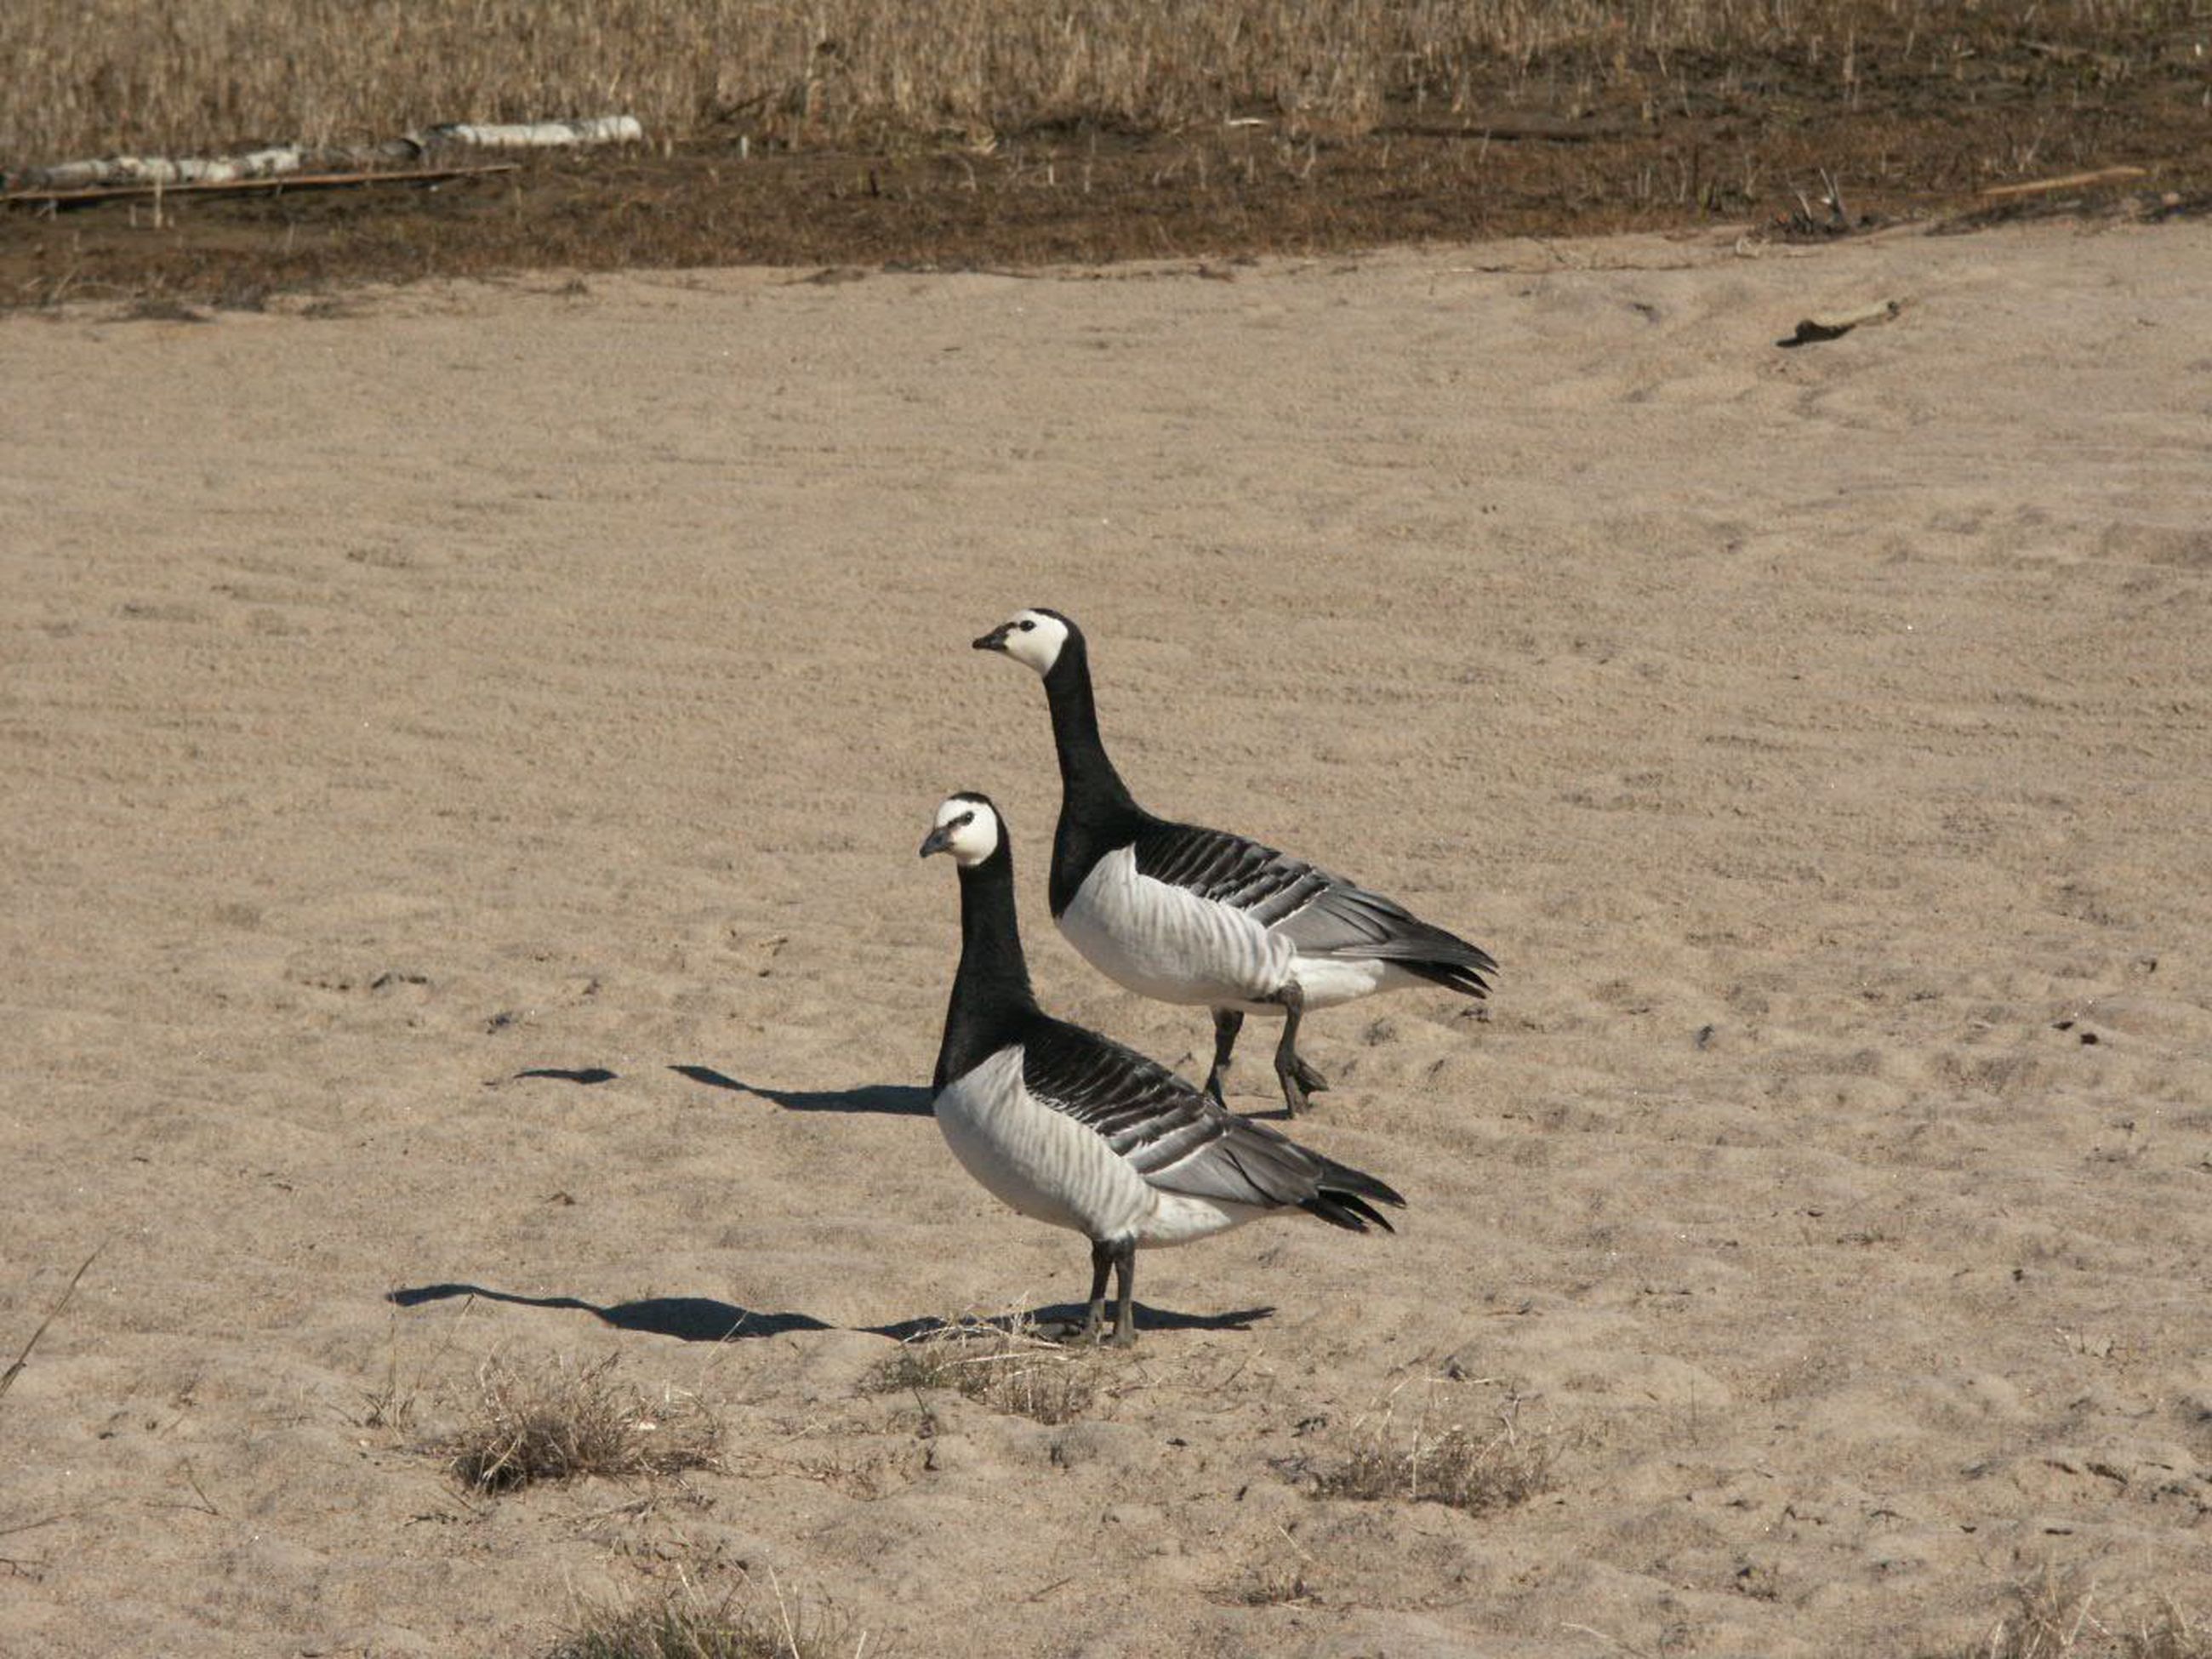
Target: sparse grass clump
x,y
558,1422
1009,1368
1275,1587
682,1624
1478,1471
2054,1615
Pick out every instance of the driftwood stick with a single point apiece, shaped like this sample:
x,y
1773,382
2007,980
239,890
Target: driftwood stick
x,y
1512,129
282,181
2072,181
1811,331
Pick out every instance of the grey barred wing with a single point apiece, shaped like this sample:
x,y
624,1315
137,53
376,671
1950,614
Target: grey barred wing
x,y
1229,870
1176,1138
1320,914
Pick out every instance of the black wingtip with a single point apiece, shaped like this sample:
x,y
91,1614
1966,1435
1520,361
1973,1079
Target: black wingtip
x,y
1459,977
1347,1210
1344,1199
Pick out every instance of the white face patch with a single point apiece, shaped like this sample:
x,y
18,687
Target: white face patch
x,y
1034,639
970,829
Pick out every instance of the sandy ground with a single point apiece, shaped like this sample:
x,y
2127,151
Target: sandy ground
x,y
404,694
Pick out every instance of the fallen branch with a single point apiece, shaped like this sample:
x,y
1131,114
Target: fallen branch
x,y
1811,331
234,186
2072,181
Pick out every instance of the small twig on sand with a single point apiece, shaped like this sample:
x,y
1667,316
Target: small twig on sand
x,y
206,1505
22,1359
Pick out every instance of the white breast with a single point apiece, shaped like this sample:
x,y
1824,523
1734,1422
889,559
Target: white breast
x,y
1036,1161
1173,946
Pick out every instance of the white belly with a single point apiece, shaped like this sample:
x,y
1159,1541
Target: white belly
x,y
1327,980
1171,945
1038,1162
1181,1217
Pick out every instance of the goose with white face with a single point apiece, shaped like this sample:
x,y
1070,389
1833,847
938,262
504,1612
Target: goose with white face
x,y
1068,1127
965,826
1032,638
1189,914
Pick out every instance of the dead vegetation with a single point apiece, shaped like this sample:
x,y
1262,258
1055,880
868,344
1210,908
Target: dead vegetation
x,y
682,1624
966,133
1479,1469
2055,1614
1277,1584
1007,1366
566,1419
97,76
22,1361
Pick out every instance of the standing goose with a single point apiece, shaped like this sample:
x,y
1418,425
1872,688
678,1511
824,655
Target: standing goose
x,y
1066,1127
1193,915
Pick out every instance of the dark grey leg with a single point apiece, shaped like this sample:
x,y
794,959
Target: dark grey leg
x,y
1298,1080
1227,1022
1102,1263
1125,1274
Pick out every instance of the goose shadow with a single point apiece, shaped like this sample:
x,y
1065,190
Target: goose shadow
x,y
703,1319
891,1099
894,1099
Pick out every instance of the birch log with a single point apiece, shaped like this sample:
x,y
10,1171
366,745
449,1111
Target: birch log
x,y
539,134
282,160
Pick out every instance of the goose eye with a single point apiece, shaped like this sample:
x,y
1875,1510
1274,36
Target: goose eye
x,y
963,820
1027,625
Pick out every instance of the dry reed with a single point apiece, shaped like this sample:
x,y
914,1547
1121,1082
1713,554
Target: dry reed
x,y
98,76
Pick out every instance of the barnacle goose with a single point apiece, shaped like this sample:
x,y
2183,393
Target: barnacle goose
x,y
1193,915
1066,1127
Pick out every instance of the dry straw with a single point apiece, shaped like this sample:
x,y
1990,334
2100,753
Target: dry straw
x,y
102,76
1005,1365
683,1623
1480,1469
562,1421
2055,1614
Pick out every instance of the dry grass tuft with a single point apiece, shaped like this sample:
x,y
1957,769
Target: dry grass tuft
x,y
1475,1470
1271,1586
682,1624
1010,1368
2053,1615
1280,1587
2168,1633
559,1422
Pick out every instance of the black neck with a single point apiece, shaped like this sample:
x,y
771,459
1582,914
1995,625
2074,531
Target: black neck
x,y
1097,811
1087,777
991,996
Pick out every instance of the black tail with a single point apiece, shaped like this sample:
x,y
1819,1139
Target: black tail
x,y
1342,1200
1423,948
